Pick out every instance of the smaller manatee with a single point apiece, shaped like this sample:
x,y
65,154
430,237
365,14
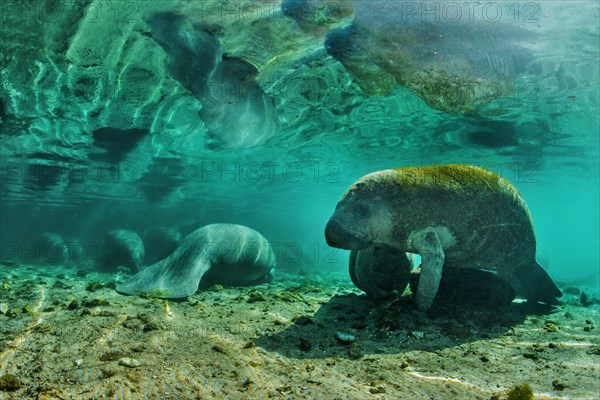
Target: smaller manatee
x,y
47,249
227,254
121,248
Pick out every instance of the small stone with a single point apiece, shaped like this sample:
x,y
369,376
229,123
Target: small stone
x,y
305,345
94,286
129,362
108,371
556,385
377,390
302,320
551,327
3,308
218,349
249,345
256,295
9,383
78,362
95,302
61,285
344,338
82,273
111,355
355,352
584,300
417,335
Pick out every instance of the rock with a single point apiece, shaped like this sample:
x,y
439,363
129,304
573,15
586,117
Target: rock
x,y
344,338
417,335
572,290
3,308
129,362
256,295
302,320
9,383
305,345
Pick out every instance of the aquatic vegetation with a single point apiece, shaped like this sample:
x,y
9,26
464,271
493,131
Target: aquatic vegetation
x,y
551,326
521,392
155,294
256,295
288,296
9,383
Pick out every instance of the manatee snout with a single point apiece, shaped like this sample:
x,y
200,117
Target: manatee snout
x,y
337,235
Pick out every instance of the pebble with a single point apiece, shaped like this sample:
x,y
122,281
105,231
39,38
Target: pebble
x,y
3,308
418,334
129,362
344,338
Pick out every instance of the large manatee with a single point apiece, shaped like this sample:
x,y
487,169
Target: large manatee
x,y
456,216
223,253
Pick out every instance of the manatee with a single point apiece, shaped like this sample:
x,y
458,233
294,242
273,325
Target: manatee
x,y
120,248
456,216
160,242
48,248
221,253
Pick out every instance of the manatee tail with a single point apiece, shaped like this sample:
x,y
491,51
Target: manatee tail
x,y
531,281
165,279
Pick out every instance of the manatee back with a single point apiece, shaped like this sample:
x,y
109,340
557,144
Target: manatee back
x,y
487,217
238,254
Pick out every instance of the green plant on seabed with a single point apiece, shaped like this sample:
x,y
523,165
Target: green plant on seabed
x,y
521,392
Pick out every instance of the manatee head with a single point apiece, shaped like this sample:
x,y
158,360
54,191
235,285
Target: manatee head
x,y
362,217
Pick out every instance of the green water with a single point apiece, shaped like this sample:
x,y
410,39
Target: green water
x,y
67,73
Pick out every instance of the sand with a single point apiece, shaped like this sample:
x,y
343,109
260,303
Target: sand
x,y
312,336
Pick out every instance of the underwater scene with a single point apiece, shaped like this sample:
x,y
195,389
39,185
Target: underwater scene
x,y
299,199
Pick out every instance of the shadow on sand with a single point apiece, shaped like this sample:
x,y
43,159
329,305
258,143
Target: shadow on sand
x,y
391,327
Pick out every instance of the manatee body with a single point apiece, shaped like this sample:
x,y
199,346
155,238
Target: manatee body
x,y
48,248
456,216
121,247
220,253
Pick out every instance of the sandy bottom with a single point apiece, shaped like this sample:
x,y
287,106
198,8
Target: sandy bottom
x,y
66,336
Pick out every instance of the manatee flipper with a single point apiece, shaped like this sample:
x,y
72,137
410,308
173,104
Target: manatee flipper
x,y
432,259
532,282
167,278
